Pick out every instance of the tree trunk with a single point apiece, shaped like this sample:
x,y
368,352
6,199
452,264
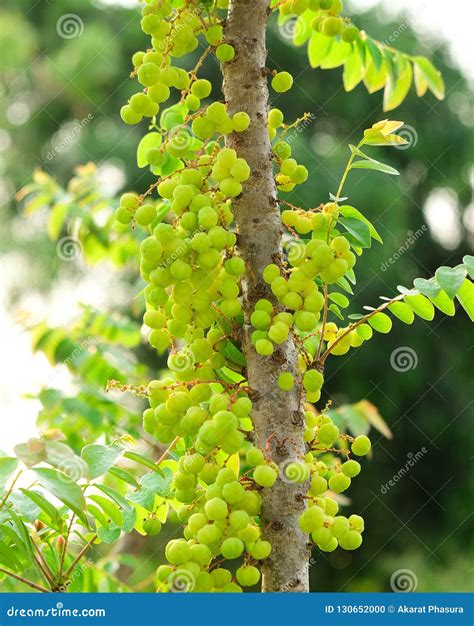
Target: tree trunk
x,y
278,416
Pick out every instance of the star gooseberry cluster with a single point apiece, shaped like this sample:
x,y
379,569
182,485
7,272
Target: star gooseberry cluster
x,y
189,260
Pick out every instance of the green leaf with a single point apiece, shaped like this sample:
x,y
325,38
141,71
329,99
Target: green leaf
x,y
159,485
100,458
23,534
374,52
318,48
340,299
402,311
468,261
348,418
350,211
124,475
358,229
8,557
353,70
7,468
61,486
149,141
371,414
431,75
428,288
375,79
98,514
344,284
129,513
234,354
421,306
336,55
109,508
465,296
302,29
372,164
44,505
450,279
421,83
335,309
138,458
381,323
396,89
444,303
56,219
365,331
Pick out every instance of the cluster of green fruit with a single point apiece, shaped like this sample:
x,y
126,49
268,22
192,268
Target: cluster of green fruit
x,y
193,307
346,339
327,18
290,173
173,35
213,420
325,471
220,524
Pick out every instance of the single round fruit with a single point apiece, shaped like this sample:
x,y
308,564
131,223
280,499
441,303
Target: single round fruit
x,y
247,575
339,483
232,548
286,381
152,526
264,475
361,445
225,52
281,82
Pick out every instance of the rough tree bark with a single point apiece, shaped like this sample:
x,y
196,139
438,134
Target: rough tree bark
x,y
278,416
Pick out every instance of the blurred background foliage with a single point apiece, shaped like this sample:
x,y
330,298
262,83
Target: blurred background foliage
x,y
61,101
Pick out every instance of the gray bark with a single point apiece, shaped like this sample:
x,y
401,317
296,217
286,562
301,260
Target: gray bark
x,y
277,415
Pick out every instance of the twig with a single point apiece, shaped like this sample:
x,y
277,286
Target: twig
x,y
25,580
8,494
359,323
64,550
79,556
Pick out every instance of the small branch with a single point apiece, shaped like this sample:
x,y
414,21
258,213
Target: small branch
x,y
64,550
44,567
359,323
168,450
25,581
70,569
325,319
9,492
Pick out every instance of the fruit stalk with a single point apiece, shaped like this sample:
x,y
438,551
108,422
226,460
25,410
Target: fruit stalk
x,y
278,415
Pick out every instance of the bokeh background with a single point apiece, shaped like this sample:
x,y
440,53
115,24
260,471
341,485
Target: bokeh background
x,y
61,92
